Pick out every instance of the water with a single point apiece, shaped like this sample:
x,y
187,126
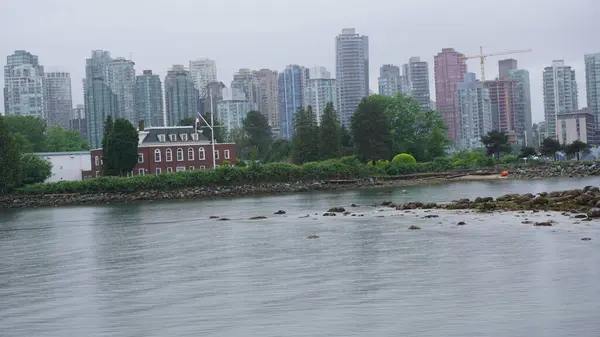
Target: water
x,y
165,269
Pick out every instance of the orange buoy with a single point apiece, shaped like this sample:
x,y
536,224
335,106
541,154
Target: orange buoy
x,y
504,173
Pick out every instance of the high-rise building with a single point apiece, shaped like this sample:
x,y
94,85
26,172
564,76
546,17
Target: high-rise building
x,y
121,80
560,94
576,125
352,71
77,121
212,93
181,97
503,96
24,85
475,112
417,77
505,66
149,99
449,70
100,101
523,121
246,81
391,82
291,82
320,90
268,97
233,108
203,71
592,85
58,98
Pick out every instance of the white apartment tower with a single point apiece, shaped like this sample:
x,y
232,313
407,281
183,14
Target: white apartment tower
x,y
320,90
24,85
58,98
560,94
203,71
592,85
474,110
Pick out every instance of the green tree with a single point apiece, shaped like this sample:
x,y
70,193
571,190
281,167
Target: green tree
x,y
61,140
371,129
496,142
241,140
258,132
330,134
22,143
10,164
108,162
527,151
404,158
550,147
305,143
280,151
123,146
32,128
576,148
35,169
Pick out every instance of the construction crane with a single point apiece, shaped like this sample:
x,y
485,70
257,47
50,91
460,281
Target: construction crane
x,y
483,56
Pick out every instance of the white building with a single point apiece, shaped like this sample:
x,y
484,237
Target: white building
x,y
234,107
475,112
58,98
578,125
67,166
320,90
121,80
560,94
203,71
24,85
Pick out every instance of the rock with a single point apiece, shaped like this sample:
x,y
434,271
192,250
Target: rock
x,y
543,224
354,205
313,236
527,222
304,216
329,214
594,213
224,219
586,239
279,212
213,217
258,217
461,223
414,227
336,210
579,216
347,213
430,216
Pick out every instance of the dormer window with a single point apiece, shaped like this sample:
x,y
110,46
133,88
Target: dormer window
x,y
161,138
183,137
195,137
173,138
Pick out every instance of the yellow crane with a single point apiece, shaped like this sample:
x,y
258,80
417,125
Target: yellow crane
x,y
483,56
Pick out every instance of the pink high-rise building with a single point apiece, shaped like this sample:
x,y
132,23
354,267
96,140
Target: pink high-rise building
x,y
449,70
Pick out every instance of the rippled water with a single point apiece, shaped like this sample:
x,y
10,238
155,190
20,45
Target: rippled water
x,y
165,269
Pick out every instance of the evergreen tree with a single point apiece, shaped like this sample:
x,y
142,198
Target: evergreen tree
x,y
496,142
370,129
10,160
108,163
123,146
305,143
550,147
330,134
258,133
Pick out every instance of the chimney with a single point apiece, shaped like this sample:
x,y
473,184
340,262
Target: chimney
x,y
141,125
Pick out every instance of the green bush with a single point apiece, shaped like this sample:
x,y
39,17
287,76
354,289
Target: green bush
x,y
35,169
403,158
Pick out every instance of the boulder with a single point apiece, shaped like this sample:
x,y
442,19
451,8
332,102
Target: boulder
x,y
586,239
594,213
412,228
430,216
579,216
336,210
329,214
260,217
313,236
461,223
213,217
544,224
279,212
223,219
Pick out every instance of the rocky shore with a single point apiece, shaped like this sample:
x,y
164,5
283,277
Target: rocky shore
x,y
570,169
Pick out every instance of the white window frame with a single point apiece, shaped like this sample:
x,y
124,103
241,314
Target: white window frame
x,y
191,153
180,169
180,151
195,137
169,169
183,137
159,153
173,138
158,170
141,172
97,174
226,154
202,167
191,168
97,160
162,138
201,154
169,155
140,158
216,154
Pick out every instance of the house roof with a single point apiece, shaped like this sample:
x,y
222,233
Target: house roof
x,y
172,135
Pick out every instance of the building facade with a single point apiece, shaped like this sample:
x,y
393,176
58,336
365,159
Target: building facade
x,y
121,80
77,121
560,94
203,71
268,97
503,96
209,96
181,97
523,120
24,85
449,70
58,99
246,81
505,67
390,82
320,90
475,112
291,82
417,76
99,99
149,99
578,125
592,85
171,149
67,166
352,71
233,108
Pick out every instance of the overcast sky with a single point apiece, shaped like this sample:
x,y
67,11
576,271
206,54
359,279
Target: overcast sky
x,y
273,33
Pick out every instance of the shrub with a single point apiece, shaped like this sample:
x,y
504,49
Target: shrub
x,y
403,158
35,169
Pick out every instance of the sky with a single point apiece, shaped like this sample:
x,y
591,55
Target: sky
x,y
273,33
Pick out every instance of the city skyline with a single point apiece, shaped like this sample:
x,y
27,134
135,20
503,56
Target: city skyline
x,y
68,45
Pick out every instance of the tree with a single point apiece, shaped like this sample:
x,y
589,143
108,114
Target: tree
x,y
305,143
576,147
108,163
10,164
550,147
527,151
347,146
123,146
241,140
61,140
330,134
32,128
258,131
370,129
496,142
35,169
187,121
280,151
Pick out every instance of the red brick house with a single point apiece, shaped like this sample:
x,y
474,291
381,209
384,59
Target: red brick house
x,y
171,149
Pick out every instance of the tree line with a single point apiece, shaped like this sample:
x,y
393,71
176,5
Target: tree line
x,y
32,134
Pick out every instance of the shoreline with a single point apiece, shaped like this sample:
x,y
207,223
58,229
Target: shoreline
x,y
215,192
